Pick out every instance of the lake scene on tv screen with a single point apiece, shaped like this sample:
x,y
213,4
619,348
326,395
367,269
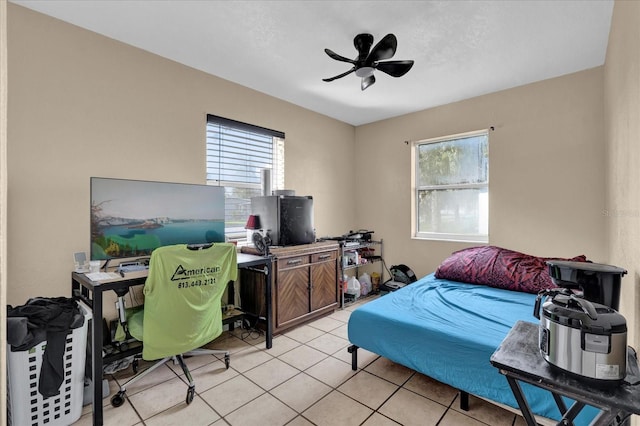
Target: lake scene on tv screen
x,y
131,218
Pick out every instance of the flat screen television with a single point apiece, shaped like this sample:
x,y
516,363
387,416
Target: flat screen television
x,y
131,218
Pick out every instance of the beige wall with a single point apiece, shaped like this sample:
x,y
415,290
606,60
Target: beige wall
x,y
622,124
546,191
83,105
3,207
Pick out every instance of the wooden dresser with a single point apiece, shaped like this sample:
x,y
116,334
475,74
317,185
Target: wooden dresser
x,y
305,284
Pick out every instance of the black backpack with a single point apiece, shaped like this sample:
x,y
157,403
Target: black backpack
x,y
403,274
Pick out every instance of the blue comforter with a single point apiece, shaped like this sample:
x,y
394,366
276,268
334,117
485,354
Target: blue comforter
x,y
448,330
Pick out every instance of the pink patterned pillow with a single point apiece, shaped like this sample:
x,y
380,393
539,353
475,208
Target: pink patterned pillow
x,y
498,267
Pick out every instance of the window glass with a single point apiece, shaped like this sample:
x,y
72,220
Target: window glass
x,y
451,162
451,188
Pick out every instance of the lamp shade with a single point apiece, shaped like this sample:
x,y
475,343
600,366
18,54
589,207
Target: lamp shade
x,y
253,222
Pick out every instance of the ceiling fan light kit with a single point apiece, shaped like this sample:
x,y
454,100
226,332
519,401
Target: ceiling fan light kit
x,y
369,60
365,71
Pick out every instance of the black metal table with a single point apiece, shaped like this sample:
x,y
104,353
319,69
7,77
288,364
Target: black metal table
x,y
91,293
519,359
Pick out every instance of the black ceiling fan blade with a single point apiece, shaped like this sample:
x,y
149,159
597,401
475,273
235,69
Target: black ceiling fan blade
x,y
367,81
395,68
362,43
385,49
337,57
339,75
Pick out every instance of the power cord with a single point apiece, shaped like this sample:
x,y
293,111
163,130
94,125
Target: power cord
x,y
251,331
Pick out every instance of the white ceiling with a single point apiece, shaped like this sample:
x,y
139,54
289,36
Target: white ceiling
x,y
461,48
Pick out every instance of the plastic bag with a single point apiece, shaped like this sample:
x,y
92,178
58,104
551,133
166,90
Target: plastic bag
x,y
365,284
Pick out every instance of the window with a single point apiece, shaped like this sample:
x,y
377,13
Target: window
x,y
237,154
450,198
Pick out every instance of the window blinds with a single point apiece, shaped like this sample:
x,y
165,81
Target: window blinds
x,y
237,152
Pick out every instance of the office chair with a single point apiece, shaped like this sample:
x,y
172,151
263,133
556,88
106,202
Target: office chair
x,y
182,307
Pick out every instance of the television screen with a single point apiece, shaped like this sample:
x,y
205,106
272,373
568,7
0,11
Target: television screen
x,y
130,218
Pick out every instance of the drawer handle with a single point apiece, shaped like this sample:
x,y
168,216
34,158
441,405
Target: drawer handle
x,y
324,256
294,262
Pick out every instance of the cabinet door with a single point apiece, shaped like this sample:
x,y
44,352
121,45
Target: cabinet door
x,y
324,280
292,294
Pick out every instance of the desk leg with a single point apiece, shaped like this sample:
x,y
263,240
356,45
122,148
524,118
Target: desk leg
x,y
268,302
96,357
522,402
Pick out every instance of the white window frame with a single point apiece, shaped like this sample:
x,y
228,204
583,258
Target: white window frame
x,y
415,190
218,153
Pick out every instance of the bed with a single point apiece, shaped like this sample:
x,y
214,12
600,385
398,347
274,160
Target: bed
x,y
448,329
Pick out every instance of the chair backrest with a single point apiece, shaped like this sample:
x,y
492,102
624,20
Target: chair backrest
x,y
182,307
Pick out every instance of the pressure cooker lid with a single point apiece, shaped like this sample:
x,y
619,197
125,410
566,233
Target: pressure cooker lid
x,y
563,310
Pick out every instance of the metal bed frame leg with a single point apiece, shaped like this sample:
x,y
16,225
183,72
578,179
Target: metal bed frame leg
x,y
353,350
464,401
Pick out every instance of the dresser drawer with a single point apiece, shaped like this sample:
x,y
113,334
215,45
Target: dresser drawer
x,y
292,262
324,256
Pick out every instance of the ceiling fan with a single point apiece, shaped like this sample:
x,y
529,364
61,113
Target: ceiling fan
x,y
369,60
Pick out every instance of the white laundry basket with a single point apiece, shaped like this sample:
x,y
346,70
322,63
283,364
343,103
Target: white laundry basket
x,y
25,405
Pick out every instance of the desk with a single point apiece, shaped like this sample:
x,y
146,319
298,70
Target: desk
x,y
92,293
519,359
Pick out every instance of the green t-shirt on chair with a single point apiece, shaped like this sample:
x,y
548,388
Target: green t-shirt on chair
x,y
183,291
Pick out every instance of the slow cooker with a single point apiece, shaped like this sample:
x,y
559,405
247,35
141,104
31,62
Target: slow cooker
x,y
584,338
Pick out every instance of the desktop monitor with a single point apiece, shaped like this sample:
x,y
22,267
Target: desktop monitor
x,y
131,218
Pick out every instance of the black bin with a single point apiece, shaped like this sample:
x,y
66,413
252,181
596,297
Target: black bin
x,y
599,283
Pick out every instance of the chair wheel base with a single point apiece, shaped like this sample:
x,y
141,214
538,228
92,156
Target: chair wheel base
x,y
118,399
190,393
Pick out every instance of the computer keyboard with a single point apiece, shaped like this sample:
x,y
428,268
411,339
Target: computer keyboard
x,y
102,276
132,267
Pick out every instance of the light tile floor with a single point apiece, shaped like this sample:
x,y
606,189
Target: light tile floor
x,y
304,379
